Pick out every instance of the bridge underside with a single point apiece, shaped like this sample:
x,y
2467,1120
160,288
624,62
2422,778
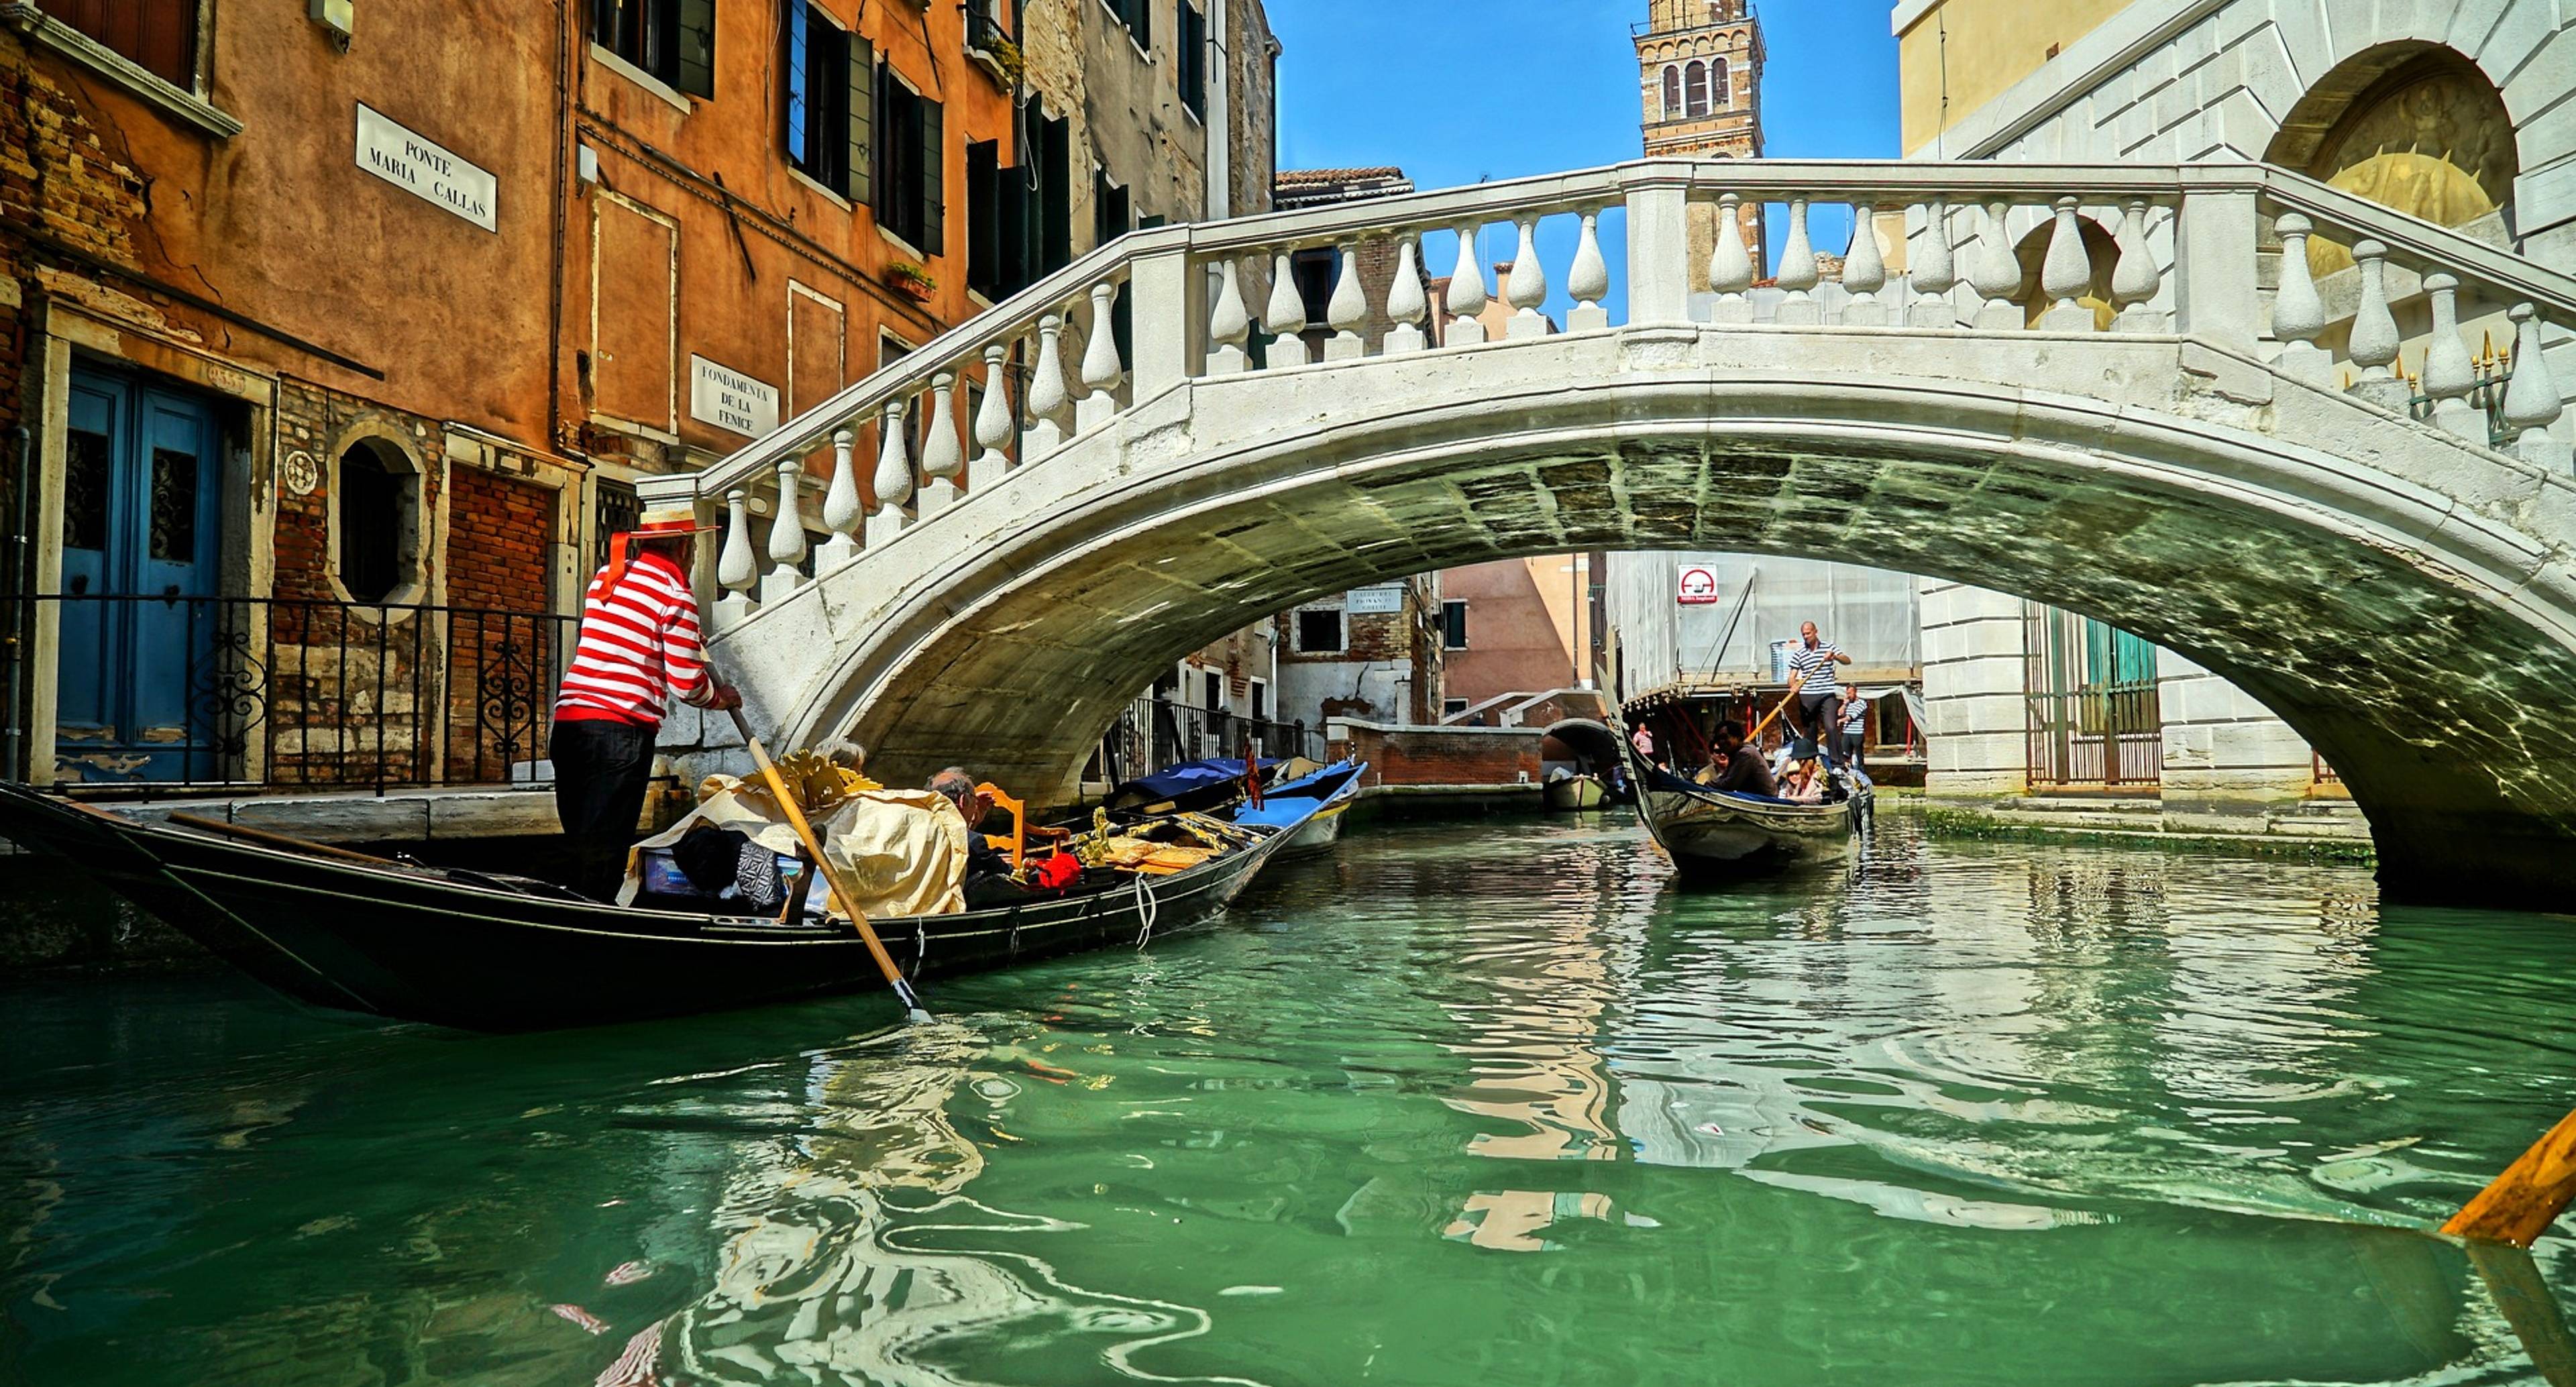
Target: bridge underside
x,y
2416,641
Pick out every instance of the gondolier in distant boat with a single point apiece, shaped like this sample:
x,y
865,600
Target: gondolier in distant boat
x,y
640,646
1811,664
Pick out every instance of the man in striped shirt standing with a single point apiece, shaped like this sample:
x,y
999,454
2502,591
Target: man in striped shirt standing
x,y
639,638
1811,663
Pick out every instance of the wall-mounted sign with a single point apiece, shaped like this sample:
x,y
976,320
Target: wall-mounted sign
x,y
1698,588
1385,599
728,399
426,170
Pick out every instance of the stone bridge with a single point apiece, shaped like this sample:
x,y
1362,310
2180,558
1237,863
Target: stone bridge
x,y
2119,390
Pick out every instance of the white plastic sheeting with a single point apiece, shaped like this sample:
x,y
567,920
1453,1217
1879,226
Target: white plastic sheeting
x,y
1870,613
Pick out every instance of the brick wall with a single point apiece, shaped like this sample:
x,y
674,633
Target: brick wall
x,y
503,654
1441,755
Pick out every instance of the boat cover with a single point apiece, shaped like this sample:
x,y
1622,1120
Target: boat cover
x,y
1182,779
904,850
1287,804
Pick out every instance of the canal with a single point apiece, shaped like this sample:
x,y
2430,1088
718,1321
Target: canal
x,y
1482,1104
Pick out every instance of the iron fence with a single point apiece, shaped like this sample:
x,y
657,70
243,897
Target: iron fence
x,y
1156,732
277,692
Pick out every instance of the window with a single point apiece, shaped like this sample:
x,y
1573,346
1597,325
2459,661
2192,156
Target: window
x,y
908,164
1213,685
375,522
1695,89
1672,93
1138,16
985,31
1191,50
673,40
159,36
1319,631
1260,701
1453,624
617,510
984,269
1452,707
1111,209
1717,82
824,88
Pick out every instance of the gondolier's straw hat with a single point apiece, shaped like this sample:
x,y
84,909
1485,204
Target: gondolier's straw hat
x,y
677,522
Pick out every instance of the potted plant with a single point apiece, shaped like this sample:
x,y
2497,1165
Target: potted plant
x,y
911,281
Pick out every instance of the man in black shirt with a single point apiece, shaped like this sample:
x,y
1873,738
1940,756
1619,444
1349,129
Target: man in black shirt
x,y
1743,773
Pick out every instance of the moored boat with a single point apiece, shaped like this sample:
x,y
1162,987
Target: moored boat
x,y
1310,806
1571,793
489,952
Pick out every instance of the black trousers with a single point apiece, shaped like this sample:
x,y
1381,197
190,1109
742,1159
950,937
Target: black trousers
x,y
601,770
1852,746
1816,714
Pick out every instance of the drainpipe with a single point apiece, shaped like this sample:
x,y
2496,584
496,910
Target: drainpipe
x,y
1220,102
13,748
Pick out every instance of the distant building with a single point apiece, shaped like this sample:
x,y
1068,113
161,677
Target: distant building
x,y
1371,653
1699,68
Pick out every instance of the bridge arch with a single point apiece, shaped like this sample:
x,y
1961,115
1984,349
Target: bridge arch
x,y
2412,642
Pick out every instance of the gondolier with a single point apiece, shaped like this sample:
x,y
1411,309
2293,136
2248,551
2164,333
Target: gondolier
x,y
639,646
1811,664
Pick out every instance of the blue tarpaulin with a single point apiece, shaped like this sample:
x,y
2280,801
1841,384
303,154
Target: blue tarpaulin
x,y
1182,779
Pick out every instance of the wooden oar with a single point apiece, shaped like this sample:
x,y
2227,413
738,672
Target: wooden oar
x,y
1755,736
2522,1202
842,895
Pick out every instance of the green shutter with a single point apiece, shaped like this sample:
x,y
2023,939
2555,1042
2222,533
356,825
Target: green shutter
x,y
934,184
863,114
697,73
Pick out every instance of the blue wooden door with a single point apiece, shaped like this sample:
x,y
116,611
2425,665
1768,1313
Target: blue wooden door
x,y
141,539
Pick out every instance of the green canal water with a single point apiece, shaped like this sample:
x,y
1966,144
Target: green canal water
x,y
1488,1104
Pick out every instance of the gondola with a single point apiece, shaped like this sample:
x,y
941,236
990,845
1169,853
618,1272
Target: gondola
x,y
1310,806
1715,835
488,952
1573,793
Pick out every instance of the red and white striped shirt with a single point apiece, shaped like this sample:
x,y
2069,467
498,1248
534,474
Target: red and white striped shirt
x,y
636,638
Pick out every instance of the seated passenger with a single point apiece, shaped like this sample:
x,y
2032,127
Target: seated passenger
x,y
983,860
1744,773
1804,785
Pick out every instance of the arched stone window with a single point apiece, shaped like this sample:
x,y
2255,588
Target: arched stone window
x,y
1672,91
376,531
1717,84
1695,88
2409,126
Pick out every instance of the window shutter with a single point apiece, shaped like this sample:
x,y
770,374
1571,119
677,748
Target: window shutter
x,y
983,218
863,114
697,71
1015,209
1142,21
934,181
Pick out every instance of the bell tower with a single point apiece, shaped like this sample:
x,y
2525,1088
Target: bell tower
x,y
1699,68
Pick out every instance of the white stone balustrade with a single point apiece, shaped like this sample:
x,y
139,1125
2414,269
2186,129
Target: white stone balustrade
x,y
2183,244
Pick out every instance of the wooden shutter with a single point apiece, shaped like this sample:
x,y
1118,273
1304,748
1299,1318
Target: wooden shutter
x,y
697,70
934,180
983,218
1016,209
863,114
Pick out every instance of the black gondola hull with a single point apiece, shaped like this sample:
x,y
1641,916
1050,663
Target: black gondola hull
x,y
416,945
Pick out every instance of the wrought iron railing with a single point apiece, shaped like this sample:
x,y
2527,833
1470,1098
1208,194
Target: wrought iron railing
x,y
1154,733
166,691
2110,735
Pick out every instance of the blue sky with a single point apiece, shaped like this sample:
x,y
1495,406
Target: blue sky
x,y
1553,87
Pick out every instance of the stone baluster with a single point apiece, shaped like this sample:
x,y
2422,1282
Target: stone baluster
x,y
1935,272
2298,311
1101,369
992,421
2374,340
1284,317
786,534
736,569
1466,296
1730,267
1526,291
2065,273
1589,280
2531,399
1995,273
843,510
893,479
1407,305
943,457
1048,398
1347,309
1864,271
1798,276
1229,323
2449,374
2135,280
